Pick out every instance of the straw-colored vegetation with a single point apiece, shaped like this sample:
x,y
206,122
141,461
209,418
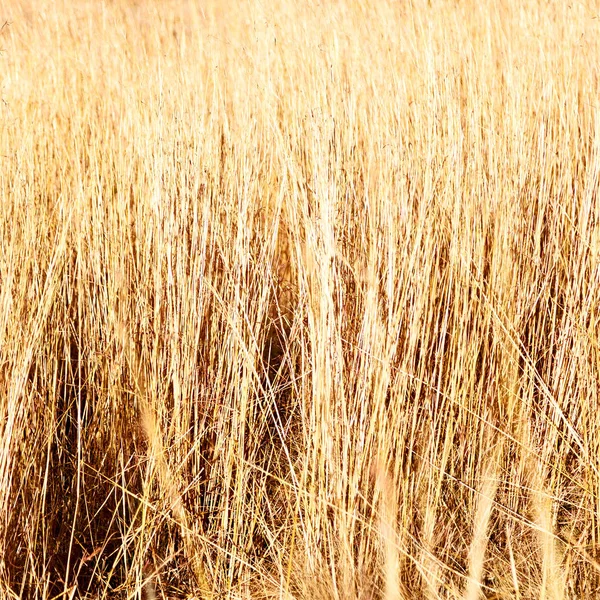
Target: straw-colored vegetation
x,y
300,299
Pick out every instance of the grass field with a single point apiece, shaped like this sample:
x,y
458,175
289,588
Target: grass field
x,y
300,299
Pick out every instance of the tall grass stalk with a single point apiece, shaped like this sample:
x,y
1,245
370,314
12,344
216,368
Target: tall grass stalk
x,y
299,300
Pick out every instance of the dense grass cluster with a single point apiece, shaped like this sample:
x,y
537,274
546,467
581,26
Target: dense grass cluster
x,y
300,299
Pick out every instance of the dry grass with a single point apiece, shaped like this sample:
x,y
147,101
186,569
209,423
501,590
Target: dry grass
x,y
300,300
